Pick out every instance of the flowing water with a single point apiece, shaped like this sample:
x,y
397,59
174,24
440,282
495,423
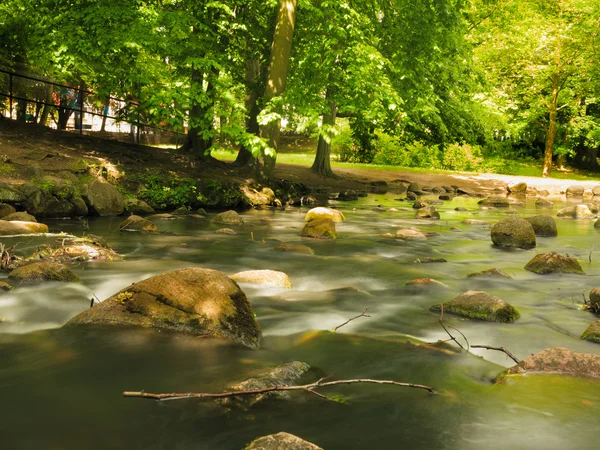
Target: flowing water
x,y
61,389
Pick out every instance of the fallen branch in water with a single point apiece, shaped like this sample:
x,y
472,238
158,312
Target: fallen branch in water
x,y
452,338
310,388
500,349
351,319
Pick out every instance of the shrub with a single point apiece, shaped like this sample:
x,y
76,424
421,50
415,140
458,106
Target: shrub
x,y
462,157
392,150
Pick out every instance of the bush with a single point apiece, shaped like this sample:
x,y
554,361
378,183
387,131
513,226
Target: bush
x,y
392,150
462,157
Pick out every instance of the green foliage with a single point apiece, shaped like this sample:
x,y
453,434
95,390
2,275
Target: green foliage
x,y
217,194
166,192
462,157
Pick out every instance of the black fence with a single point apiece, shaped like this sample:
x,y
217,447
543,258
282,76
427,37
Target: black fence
x,y
31,99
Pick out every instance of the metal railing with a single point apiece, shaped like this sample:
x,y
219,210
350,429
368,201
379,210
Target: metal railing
x,y
72,99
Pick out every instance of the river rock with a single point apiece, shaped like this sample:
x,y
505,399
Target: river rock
x,y
324,213
552,262
480,305
266,278
20,217
420,204
496,202
513,232
192,300
428,212
16,227
103,198
6,209
596,190
408,234
281,441
594,303
227,231
44,271
411,195
575,191
543,203
592,333
446,197
543,225
80,209
138,207
557,360
295,248
255,197
4,286
476,222
11,193
228,218
517,188
320,228
426,282
576,212
494,272
87,248
430,260
137,223
414,187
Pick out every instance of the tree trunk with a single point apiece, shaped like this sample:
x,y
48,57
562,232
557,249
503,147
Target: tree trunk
x,y
281,50
551,134
46,110
105,113
252,92
322,164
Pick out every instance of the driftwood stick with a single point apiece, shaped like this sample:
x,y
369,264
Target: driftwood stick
x,y
452,338
499,349
306,387
351,319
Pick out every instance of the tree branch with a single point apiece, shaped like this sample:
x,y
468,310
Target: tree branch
x,y
351,319
500,349
306,387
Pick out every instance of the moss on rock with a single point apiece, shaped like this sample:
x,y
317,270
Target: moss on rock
x,y
281,441
552,262
592,333
17,227
137,223
543,225
324,213
228,218
480,305
320,228
513,232
44,271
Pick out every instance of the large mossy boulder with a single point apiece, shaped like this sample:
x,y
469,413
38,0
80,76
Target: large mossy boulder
x,y
137,223
592,333
324,213
17,227
557,360
281,441
44,271
480,305
513,232
320,228
103,199
552,262
228,218
543,225
266,278
192,300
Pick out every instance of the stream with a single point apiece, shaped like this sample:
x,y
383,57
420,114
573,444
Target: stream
x,y
61,388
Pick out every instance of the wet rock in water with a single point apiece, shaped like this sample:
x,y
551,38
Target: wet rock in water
x,y
414,187
228,231
324,213
281,441
295,248
596,190
592,333
380,208
428,212
103,198
192,300
44,271
256,197
446,197
426,282
513,232
466,191
497,202
594,303
494,272
228,218
266,278
517,188
16,227
182,211
4,286
430,259
392,210
576,212
557,360
348,195
6,209
543,203
552,262
87,248
438,190
138,207
575,191
411,196
137,223
593,207
288,374
448,188
408,234
20,217
420,204
543,225
320,229
163,216
476,222
480,305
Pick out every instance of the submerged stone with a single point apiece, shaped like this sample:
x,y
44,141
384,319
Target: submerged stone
x,y
137,223
324,213
267,278
281,441
513,232
4,286
192,300
543,203
552,262
44,271
430,259
295,248
475,221
426,282
320,228
494,272
228,231
543,225
592,333
480,305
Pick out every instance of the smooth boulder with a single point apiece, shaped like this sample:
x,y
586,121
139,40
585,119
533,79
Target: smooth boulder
x,y
138,207
496,202
408,234
192,300
6,209
543,225
266,278
592,333
324,213
281,441
576,212
429,212
552,262
17,227
493,272
320,228
480,305
21,216
575,191
517,188
103,199
137,223
513,232
44,271
228,218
